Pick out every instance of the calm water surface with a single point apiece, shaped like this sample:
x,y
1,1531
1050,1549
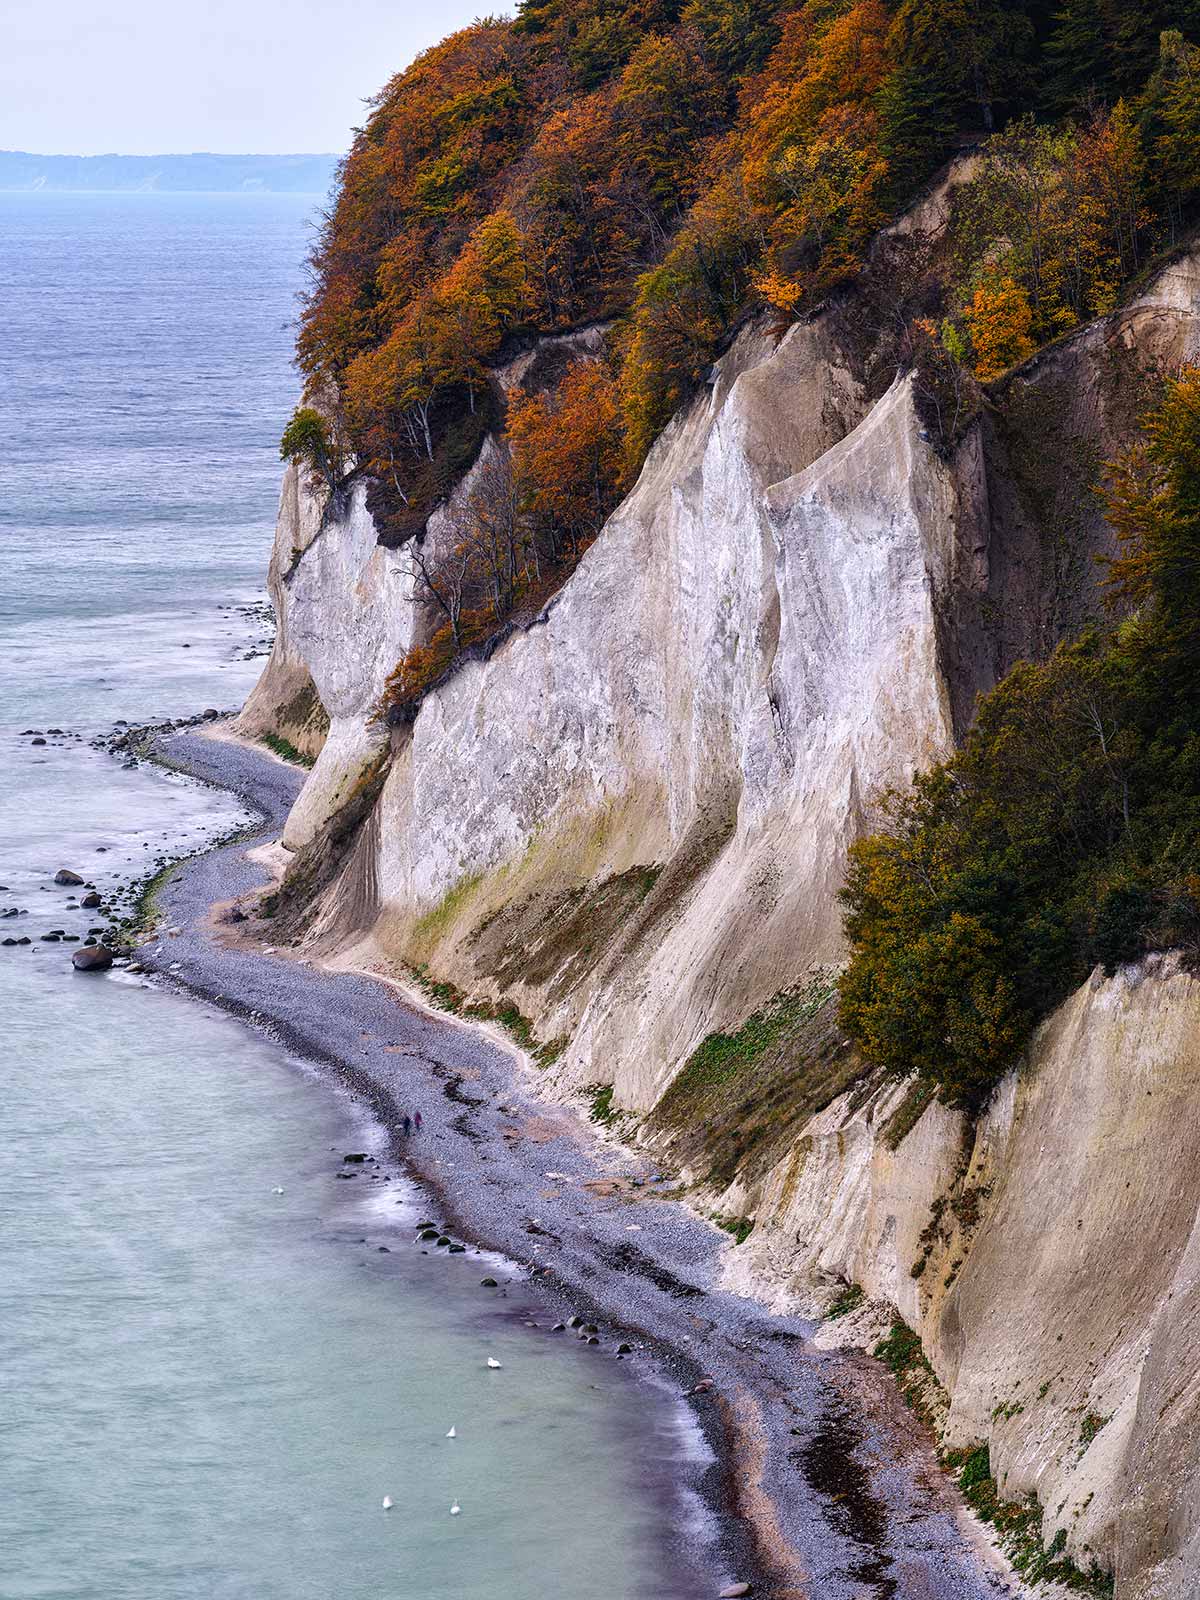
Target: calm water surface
x,y
206,1388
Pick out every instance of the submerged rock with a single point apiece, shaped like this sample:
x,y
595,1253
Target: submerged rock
x,y
64,875
92,958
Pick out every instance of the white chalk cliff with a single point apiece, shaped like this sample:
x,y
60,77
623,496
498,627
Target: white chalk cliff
x,y
631,819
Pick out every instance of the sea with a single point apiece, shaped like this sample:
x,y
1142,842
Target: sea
x,y
214,1365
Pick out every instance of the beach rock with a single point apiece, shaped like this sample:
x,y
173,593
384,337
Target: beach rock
x,y
90,901
10,941
624,1349
92,958
488,1283
733,1591
64,875
355,1155
345,1174
210,714
37,741
428,1233
457,1250
51,938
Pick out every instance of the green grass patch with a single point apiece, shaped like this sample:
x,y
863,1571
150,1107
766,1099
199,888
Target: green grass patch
x,y
851,1297
601,1097
908,1113
723,1057
449,997
1018,1524
286,750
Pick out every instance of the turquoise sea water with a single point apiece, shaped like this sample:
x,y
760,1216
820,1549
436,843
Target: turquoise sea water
x,y
207,1387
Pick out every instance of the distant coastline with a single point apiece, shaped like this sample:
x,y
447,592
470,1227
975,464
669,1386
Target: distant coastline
x,y
23,172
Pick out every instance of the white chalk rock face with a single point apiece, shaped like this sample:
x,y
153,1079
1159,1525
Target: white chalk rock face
x,y
1057,1301
743,660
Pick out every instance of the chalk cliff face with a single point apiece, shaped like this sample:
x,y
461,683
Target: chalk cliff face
x,y
630,821
1048,1258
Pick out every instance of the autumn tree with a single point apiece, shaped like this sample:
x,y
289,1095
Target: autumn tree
x,y
1066,830
567,458
1153,499
811,157
999,319
684,306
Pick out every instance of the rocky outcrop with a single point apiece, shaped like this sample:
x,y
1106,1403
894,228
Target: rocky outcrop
x,y
285,702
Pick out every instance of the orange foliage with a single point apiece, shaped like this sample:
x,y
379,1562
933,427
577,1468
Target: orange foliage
x,y
566,451
812,157
999,319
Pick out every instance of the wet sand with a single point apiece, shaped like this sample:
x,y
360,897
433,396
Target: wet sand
x,y
823,1487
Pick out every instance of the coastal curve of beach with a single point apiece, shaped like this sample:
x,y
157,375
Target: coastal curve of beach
x,y
822,1486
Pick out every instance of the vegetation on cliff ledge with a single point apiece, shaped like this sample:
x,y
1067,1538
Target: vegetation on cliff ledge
x,y
1066,831
661,169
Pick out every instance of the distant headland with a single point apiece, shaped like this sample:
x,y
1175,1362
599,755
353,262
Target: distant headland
x,y
198,173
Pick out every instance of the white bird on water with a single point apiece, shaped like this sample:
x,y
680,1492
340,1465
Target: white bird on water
x,y
453,1434
276,1191
455,1509
492,1362
387,1502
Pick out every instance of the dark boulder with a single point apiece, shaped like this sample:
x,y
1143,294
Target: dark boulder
x,y
92,958
64,875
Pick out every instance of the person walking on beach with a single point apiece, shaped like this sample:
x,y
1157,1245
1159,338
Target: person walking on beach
x,y
406,1124
416,1122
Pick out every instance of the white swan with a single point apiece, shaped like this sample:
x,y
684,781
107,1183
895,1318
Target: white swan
x,y
492,1362
455,1509
387,1502
453,1434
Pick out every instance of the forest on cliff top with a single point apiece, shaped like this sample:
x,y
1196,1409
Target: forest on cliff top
x,y
664,169
640,178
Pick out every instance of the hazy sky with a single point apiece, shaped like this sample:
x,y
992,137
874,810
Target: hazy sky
x,y
158,77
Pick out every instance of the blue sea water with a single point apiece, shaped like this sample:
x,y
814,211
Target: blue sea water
x,y
207,1387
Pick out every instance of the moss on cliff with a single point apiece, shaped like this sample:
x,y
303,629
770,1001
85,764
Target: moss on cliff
x,y
741,1098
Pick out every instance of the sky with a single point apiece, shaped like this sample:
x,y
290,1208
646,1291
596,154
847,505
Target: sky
x,y
161,77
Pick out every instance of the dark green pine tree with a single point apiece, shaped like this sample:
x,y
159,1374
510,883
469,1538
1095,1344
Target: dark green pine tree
x,y
917,126
1108,48
963,61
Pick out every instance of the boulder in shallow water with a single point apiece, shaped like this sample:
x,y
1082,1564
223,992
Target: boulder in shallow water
x,y
92,958
64,875
90,900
